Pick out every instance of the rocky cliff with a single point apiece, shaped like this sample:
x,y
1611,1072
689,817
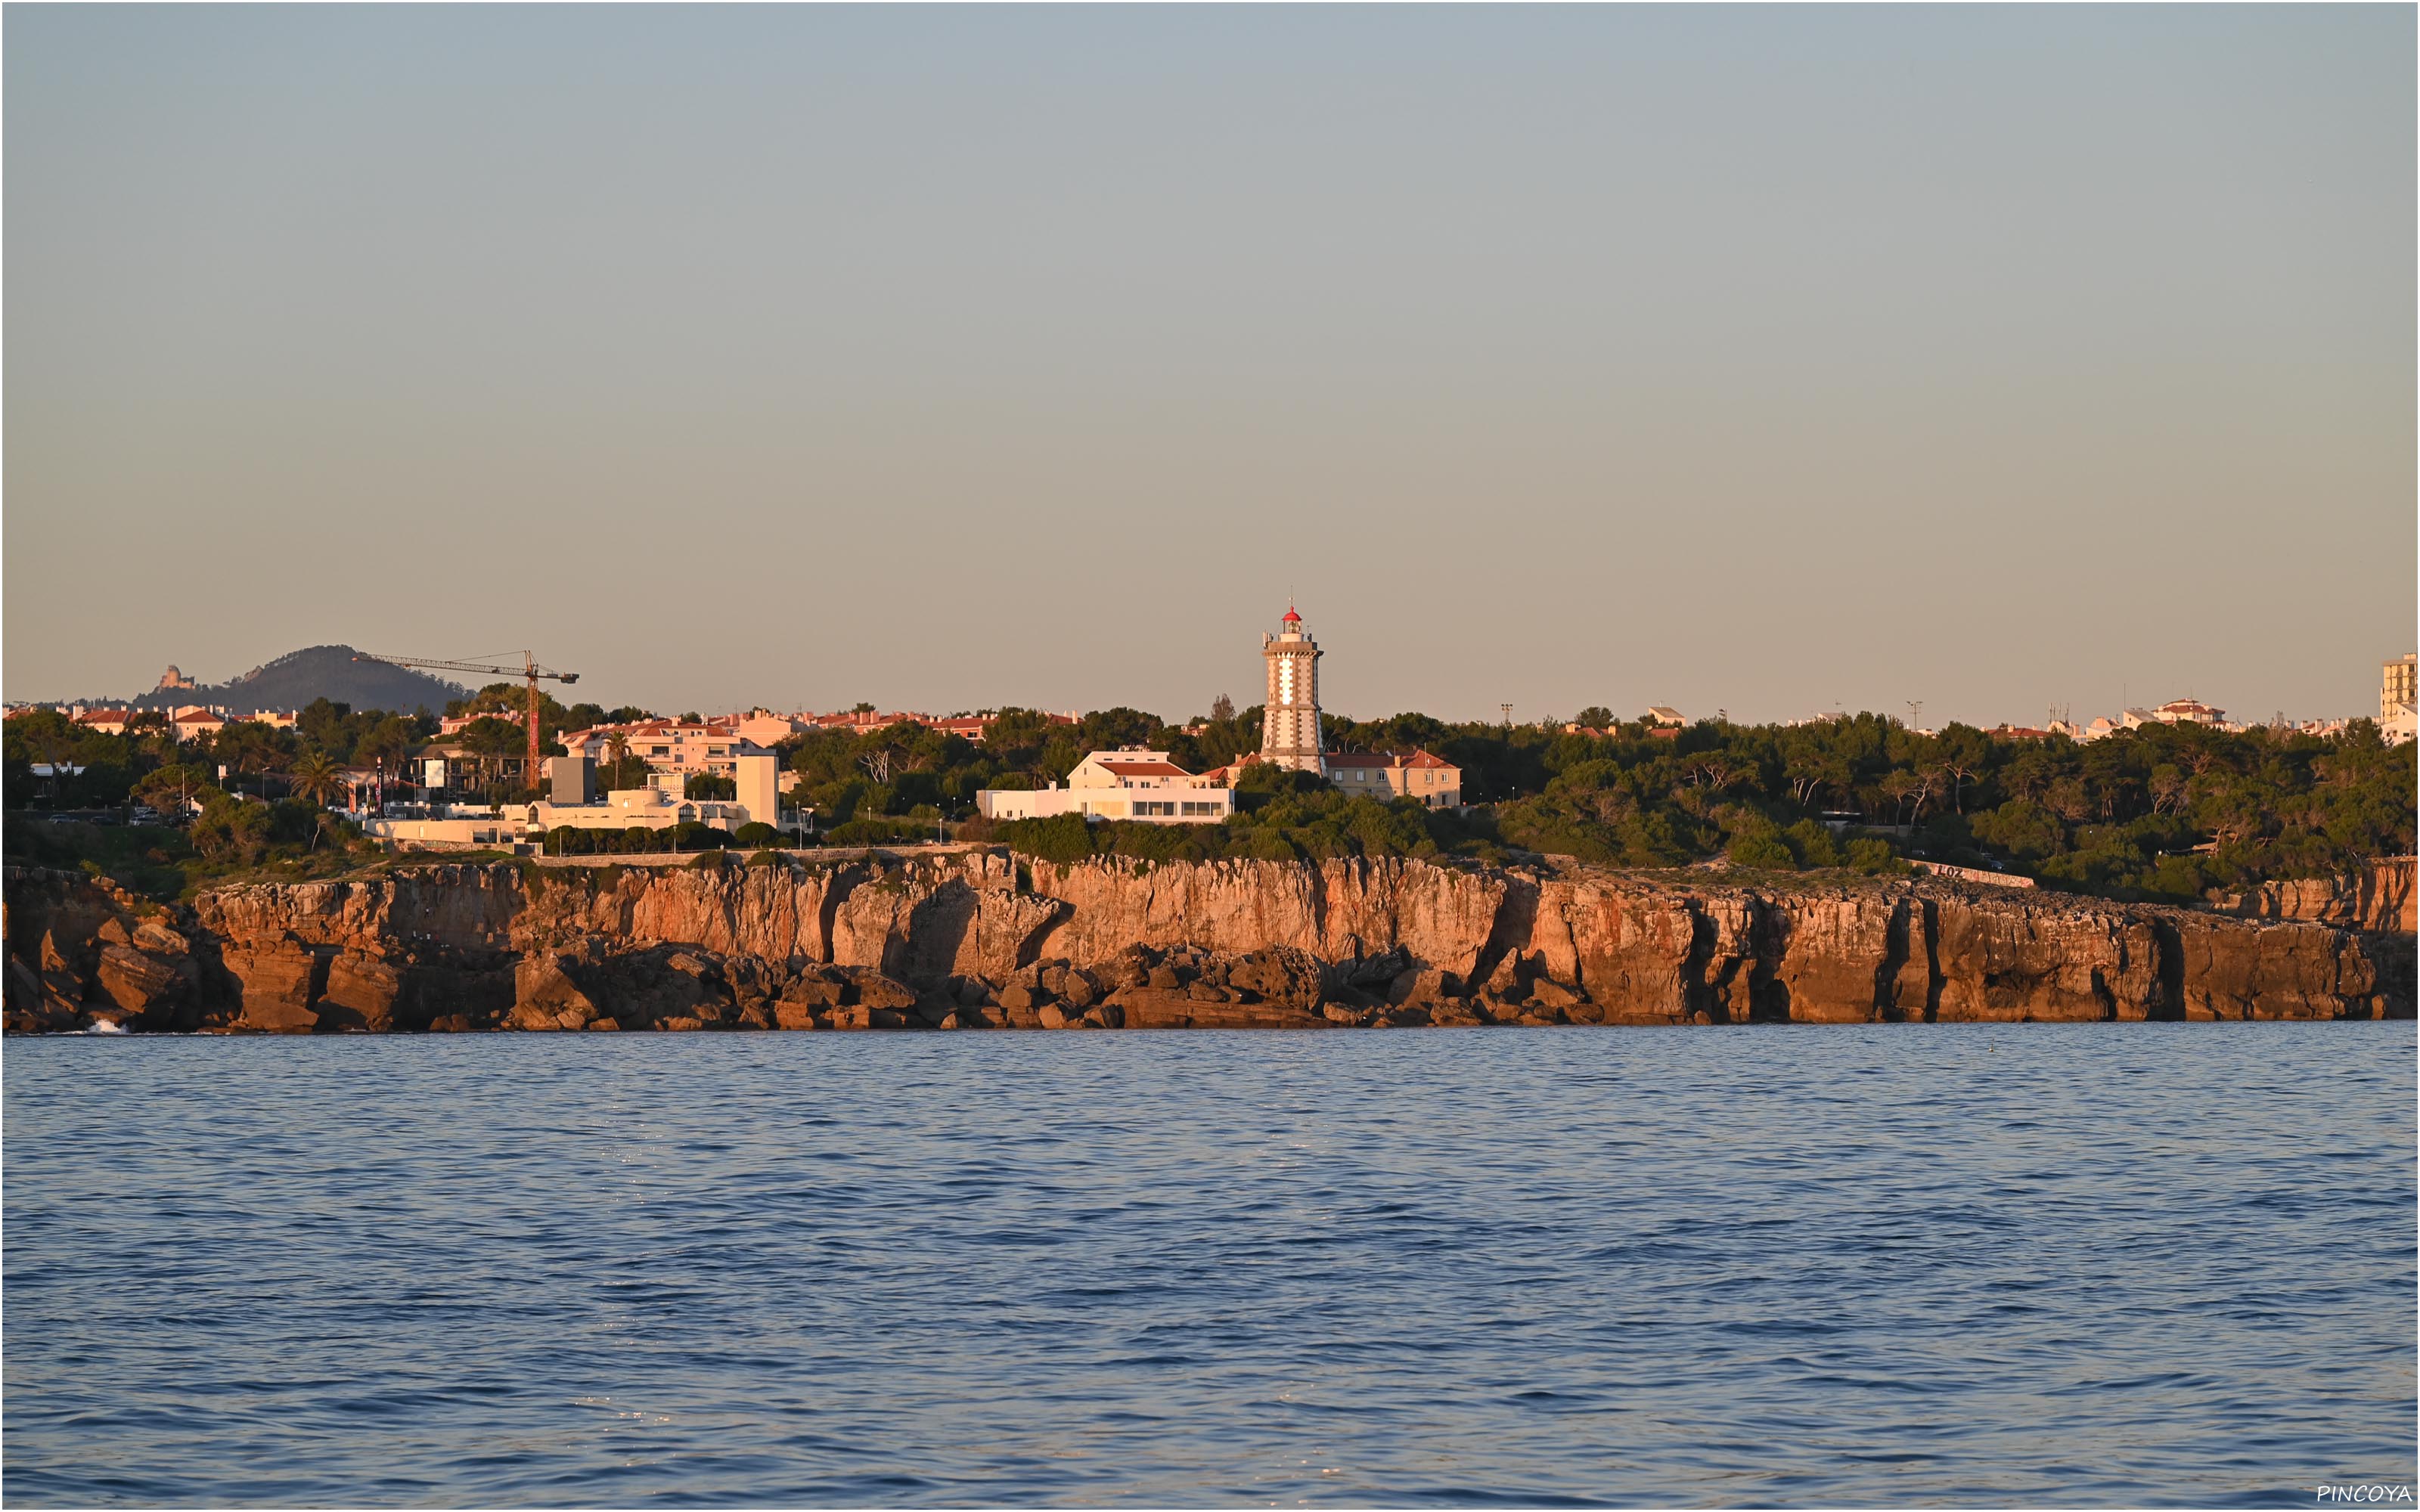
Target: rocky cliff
x,y
982,939
2379,897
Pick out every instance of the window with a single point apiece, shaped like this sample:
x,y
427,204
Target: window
x,y
659,750
1151,811
1196,811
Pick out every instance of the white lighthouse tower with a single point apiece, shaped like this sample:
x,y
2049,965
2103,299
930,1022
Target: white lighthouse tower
x,y
1290,715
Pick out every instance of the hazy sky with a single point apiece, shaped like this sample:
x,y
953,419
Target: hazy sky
x,y
1774,360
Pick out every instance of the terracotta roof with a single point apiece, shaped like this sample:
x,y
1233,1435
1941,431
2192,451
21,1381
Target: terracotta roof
x,y
675,727
1145,768
1418,759
200,717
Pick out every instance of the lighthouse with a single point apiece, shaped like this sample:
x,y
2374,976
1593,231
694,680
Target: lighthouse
x,y
1290,715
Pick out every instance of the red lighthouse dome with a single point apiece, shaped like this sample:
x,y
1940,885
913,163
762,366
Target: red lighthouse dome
x,y
1290,617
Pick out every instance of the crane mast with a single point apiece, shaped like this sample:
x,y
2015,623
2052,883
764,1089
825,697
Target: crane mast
x,y
529,672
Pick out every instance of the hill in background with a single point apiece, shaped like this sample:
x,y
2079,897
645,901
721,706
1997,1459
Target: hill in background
x,y
293,680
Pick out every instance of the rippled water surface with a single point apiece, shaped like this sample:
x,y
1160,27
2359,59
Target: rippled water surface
x,y
2145,1263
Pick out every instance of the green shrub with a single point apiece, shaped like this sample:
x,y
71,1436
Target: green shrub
x,y
876,831
1269,845
1063,837
1811,843
692,834
1871,854
2020,828
1766,851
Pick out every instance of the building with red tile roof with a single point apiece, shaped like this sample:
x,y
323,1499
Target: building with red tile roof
x,y
1423,775
1128,783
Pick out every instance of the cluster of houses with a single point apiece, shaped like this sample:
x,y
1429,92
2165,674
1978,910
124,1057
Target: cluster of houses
x,y
766,728
2395,716
186,721
570,800
1129,783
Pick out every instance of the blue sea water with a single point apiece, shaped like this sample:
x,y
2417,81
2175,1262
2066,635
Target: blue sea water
x,y
1985,1264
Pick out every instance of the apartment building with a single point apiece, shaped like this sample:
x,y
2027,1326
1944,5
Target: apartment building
x,y
2395,690
676,748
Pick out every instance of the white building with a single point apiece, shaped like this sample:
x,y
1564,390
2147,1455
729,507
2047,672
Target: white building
x,y
2399,698
1119,784
648,808
674,748
2189,711
761,727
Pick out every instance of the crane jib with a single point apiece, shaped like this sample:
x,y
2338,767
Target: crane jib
x,y
529,672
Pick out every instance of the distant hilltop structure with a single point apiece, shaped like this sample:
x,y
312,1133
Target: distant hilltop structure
x,y
294,680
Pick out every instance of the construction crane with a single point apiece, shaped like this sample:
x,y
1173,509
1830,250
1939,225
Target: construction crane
x,y
529,672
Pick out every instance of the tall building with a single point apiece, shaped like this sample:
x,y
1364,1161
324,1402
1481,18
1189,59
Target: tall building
x,y
1290,715
2396,692
2399,718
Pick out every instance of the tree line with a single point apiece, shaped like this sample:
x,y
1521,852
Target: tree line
x,y
2167,811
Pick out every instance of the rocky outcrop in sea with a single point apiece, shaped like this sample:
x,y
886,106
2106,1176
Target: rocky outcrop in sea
x,y
983,939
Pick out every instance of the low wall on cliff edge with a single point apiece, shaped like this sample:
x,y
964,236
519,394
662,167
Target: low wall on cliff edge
x,y
1626,947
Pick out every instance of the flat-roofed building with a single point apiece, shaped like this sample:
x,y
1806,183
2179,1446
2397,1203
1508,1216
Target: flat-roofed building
x,y
675,749
2396,693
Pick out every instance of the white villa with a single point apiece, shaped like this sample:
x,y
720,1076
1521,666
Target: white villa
x,y
1128,783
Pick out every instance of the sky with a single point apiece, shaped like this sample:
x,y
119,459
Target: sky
x,y
1763,360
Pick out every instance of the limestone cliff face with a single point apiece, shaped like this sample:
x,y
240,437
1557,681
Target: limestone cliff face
x,y
1335,910
2382,897
982,938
